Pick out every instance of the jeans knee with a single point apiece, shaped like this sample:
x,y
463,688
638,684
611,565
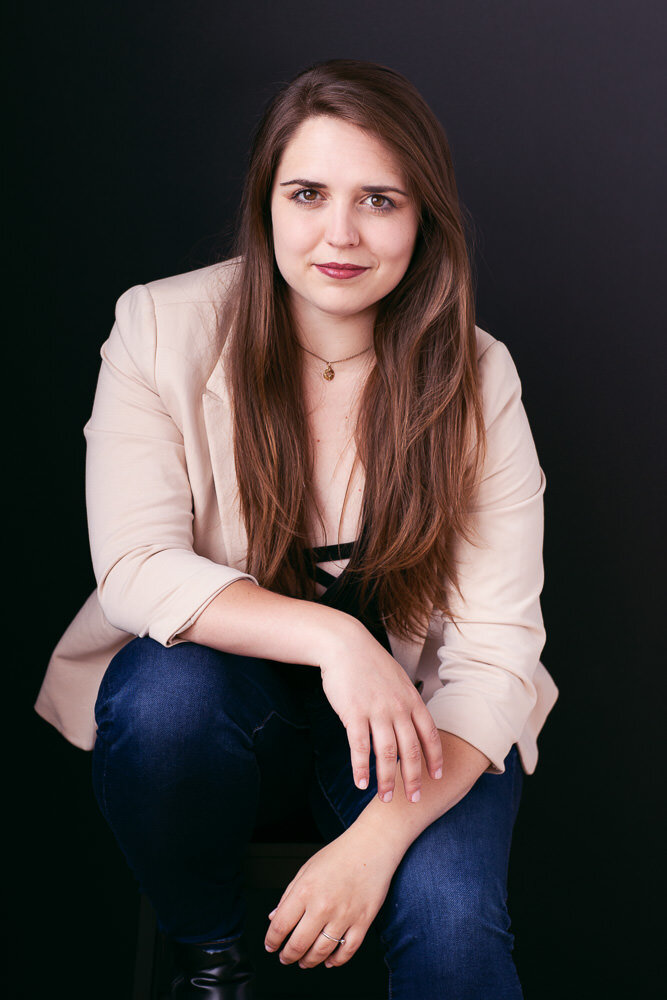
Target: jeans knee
x,y
155,695
457,932
477,919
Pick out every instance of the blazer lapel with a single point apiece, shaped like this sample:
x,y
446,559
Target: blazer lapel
x,y
219,428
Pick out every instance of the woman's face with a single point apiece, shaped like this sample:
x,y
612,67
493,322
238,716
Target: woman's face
x,y
324,213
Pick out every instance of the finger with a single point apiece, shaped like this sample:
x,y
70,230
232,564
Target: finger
x,y
360,747
306,935
429,736
322,948
287,915
386,752
284,895
410,752
342,953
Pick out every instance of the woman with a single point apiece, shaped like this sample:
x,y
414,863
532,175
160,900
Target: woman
x,y
309,456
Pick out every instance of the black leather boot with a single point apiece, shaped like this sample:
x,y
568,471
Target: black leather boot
x,y
207,974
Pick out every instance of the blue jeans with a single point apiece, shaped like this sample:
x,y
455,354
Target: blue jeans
x,y
195,748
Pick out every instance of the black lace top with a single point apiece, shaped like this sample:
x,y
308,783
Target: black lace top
x,y
342,591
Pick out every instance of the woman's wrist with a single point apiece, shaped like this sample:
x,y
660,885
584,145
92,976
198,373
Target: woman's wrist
x,y
338,635
386,851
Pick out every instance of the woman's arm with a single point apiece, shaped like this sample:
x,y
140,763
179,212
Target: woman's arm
x,y
397,824
367,688
489,658
150,581
252,621
346,882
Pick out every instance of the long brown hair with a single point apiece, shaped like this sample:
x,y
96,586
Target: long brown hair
x,y
420,430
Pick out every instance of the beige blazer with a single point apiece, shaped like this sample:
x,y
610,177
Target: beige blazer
x,y
166,534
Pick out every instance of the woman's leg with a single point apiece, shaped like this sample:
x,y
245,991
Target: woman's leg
x,y
193,745
444,924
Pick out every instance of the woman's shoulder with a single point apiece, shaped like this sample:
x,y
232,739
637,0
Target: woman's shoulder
x,y
493,357
484,341
499,379
176,317
201,286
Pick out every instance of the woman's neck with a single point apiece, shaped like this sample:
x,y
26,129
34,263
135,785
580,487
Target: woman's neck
x,y
333,337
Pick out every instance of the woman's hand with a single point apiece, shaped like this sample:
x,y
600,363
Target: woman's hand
x,y
369,689
339,890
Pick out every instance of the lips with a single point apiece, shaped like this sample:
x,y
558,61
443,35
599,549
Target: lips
x,y
334,270
342,267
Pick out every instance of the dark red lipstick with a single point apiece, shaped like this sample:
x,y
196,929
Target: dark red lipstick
x,y
334,270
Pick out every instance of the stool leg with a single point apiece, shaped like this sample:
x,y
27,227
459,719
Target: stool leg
x,y
145,967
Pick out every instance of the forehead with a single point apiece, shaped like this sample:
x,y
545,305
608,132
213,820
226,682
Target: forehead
x,y
326,145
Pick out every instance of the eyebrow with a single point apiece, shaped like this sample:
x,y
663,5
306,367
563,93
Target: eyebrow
x,y
371,188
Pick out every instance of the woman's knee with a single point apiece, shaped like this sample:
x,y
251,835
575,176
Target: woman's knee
x,y
452,924
157,694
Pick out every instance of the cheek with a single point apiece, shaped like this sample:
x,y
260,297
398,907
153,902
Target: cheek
x,y
396,248
291,228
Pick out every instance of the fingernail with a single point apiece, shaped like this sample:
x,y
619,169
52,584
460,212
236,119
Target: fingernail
x,y
328,965
387,796
272,912
438,773
363,782
416,796
268,947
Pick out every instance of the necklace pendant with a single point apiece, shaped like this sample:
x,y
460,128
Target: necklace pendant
x,y
328,373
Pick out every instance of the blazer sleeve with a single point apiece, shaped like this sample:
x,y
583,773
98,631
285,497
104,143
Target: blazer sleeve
x,y
150,581
487,668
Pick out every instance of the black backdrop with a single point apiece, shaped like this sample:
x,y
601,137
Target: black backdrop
x,y
132,128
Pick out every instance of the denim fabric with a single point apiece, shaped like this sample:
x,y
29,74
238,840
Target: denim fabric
x,y
196,747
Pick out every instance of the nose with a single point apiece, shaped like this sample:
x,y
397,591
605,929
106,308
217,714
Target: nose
x,y
341,229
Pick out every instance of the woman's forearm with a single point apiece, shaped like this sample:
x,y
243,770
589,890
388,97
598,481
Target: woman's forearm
x,y
398,823
253,621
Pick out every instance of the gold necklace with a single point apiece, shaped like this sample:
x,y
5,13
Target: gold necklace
x,y
328,372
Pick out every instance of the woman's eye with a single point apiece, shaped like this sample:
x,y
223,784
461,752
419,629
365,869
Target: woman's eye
x,y
382,208
295,196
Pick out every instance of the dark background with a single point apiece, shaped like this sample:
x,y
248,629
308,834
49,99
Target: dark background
x,y
132,126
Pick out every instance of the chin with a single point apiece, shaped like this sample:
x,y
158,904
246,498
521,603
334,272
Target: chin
x,y
350,304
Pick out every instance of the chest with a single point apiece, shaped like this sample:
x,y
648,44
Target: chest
x,y
332,413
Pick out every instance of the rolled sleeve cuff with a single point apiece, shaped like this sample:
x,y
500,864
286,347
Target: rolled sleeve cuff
x,y
474,720
183,610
